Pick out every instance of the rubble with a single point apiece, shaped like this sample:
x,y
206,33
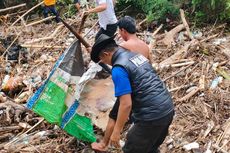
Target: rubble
x,y
194,64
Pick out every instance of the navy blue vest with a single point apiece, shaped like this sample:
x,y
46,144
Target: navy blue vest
x,y
150,98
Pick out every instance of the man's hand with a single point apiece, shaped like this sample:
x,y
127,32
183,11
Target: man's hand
x,y
99,146
115,139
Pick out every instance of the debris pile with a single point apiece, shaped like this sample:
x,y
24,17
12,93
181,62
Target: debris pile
x,y
194,64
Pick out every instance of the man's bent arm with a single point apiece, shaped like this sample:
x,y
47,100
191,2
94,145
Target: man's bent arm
x,y
123,112
99,8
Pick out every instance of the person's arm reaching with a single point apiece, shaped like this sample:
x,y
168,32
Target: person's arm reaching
x,y
103,144
123,114
123,92
101,7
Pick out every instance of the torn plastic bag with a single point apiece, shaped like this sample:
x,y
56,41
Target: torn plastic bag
x,y
55,100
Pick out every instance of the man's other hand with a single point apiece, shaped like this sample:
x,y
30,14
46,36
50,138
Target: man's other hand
x,y
115,139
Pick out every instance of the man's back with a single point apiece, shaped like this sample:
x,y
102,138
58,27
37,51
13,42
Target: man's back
x,y
150,97
107,16
136,45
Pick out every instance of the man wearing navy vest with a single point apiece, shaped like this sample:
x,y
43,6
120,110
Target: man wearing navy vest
x,y
139,89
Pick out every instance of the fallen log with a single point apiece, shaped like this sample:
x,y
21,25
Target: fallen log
x,y
169,36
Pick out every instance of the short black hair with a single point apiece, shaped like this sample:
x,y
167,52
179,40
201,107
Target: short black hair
x,y
110,47
127,23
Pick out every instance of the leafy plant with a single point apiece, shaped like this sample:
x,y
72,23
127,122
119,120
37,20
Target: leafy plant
x,y
66,7
154,9
210,10
202,11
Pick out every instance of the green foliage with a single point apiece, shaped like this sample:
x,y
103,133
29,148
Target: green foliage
x,y
210,10
66,7
202,11
154,9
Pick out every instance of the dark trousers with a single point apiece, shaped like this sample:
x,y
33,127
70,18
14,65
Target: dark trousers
x,y
114,112
51,9
146,137
110,30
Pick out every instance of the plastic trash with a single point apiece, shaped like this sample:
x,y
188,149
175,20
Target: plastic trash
x,y
56,99
190,146
216,81
5,80
12,83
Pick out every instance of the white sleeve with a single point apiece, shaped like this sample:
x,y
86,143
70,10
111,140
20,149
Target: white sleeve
x,y
101,1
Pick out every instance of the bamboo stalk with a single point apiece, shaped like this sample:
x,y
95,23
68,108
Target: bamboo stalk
x,y
13,7
23,134
26,13
178,71
46,38
42,46
40,21
185,24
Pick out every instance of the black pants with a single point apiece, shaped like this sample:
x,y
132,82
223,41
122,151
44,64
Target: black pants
x,y
110,30
114,112
146,137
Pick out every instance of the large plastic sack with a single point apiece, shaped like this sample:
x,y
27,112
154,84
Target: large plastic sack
x,y
57,101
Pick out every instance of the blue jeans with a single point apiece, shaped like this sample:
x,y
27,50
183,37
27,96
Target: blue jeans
x,y
51,9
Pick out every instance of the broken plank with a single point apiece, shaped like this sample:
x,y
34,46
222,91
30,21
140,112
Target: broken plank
x,y
185,24
169,37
